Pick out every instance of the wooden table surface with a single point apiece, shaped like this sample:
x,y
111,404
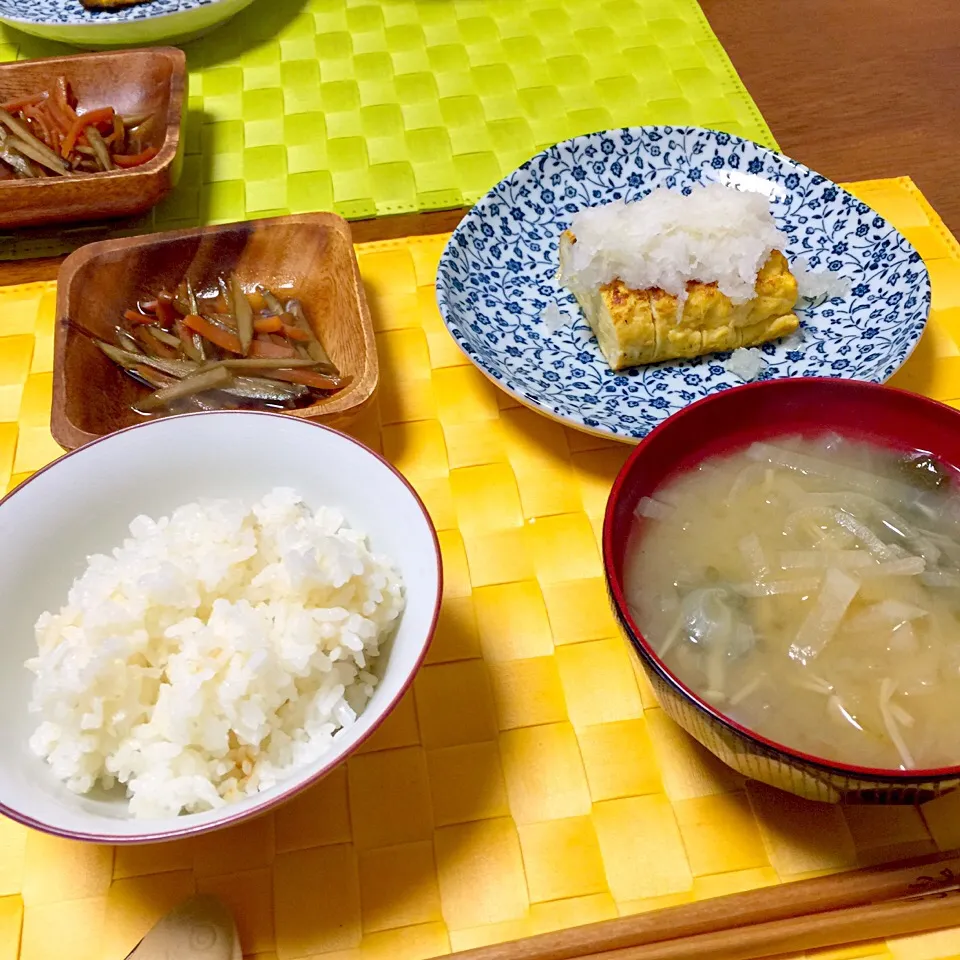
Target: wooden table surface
x,y
855,89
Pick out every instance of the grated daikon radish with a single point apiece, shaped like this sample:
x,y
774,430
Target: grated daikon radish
x,y
746,363
814,284
716,234
552,318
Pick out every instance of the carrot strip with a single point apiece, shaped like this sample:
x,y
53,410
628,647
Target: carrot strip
x,y
221,338
37,125
135,316
295,333
219,306
89,119
15,105
309,378
60,110
268,324
60,124
46,113
257,303
263,348
135,159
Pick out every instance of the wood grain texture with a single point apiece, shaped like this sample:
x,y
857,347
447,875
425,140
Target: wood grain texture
x,y
132,82
362,231
793,909
310,253
855,89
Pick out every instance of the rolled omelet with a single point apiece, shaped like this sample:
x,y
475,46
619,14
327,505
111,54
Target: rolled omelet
x,y
636,327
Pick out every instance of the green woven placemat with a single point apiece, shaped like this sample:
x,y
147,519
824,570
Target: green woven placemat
x,y
403,105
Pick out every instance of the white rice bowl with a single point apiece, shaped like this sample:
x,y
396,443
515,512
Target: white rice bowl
x,y
212,654
82,505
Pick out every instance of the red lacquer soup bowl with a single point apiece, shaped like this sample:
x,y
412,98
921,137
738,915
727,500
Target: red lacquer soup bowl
x,y
723,423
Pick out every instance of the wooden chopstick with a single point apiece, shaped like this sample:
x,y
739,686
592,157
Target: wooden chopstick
x,y
831,929
800,899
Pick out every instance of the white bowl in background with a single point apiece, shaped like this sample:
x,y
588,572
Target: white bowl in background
x,y
83,503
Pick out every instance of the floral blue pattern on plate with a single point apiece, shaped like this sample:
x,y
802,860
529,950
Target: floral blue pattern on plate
x,y
498,273
72,11
156,21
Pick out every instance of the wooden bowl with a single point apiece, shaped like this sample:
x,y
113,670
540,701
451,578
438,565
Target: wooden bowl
x,y
312,253
132,82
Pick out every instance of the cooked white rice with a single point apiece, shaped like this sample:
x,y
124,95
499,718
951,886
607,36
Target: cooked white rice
x,y
716,234
212,654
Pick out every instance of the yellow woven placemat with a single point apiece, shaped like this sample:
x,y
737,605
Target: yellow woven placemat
x,y
529,781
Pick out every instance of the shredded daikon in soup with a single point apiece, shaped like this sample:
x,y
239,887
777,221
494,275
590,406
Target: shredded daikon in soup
x,y
810,590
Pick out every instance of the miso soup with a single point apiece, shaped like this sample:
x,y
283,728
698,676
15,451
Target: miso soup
x,y
810,590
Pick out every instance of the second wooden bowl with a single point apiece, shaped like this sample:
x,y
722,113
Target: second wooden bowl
x,y
132,82
311,253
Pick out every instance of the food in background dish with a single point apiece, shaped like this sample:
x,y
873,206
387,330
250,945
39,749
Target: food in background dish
x,y
810,590
111,4
212,654
673,276
42,135
222,348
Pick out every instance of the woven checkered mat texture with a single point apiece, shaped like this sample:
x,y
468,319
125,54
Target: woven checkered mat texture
x,y
529,781
402,105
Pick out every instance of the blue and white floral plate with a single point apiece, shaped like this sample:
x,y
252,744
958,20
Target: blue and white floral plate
x,y
498,274
157,21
